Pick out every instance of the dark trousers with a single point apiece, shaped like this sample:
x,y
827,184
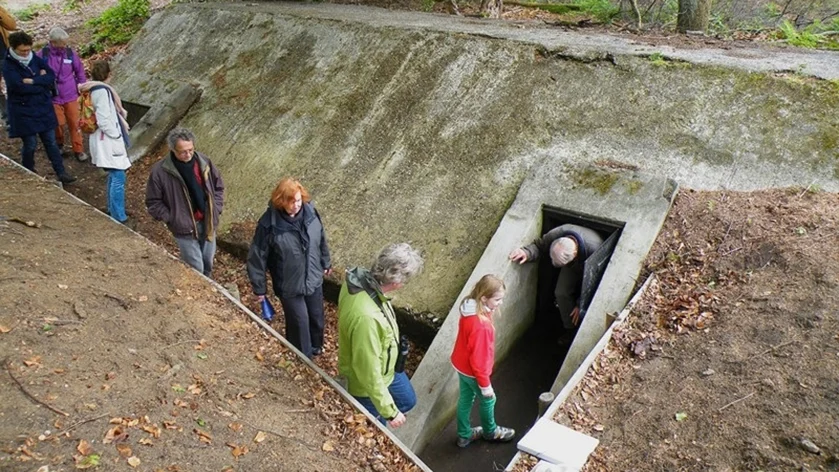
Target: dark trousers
x,y
48,139
304,321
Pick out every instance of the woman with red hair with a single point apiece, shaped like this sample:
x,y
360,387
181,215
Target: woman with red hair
x,y
290,243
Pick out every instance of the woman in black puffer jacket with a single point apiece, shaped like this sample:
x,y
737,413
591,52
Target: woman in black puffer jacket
x,y
290,243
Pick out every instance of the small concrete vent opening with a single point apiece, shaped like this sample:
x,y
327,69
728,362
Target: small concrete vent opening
x,y
532,364
135,112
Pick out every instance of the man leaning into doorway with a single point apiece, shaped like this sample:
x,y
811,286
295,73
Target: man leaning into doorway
x,y
568,247
185,191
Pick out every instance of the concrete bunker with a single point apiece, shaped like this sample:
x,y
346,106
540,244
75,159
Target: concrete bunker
x,y
534,360
629,213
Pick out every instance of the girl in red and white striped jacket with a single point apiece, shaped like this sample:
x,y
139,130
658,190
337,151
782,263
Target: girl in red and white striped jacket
x,y
473,358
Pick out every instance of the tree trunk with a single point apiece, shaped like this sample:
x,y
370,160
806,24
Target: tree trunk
x,y
491,8
694,15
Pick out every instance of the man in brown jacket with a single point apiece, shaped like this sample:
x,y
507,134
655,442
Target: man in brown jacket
x,y
185,191
7,23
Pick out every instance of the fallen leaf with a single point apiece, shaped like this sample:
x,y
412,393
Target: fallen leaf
x,y
142,298
133,461
328,447
170,424
62,286
681,416
598,427
201,422
33,361
260,436
178,389
248,396
194,389
151,429
181,403
258,355
112,434
110,375
235,426
4,329
203,436
238,450
84,448
146,441
124,450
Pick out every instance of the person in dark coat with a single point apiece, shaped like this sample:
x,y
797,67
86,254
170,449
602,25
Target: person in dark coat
x,y
185,190
29,82
290,243
568,247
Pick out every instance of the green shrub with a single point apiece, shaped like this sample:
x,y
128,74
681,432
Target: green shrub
x,y
31,11
604,10
118,24
809,37
72,5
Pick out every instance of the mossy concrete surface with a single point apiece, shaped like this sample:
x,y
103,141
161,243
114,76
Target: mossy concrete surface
x,y
424,134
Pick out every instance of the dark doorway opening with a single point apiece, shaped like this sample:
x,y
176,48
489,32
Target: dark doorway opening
x,y
533,363
547,313
135,112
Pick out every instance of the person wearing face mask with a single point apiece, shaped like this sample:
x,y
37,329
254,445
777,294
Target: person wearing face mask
x,y
290,243
568,247
185,190
30,81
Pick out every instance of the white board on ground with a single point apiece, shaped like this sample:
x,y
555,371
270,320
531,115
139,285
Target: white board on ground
x,y
559,445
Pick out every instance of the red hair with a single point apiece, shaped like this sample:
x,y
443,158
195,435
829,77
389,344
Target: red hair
x,y
285,190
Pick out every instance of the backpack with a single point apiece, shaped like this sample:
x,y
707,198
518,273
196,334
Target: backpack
x,y
87,115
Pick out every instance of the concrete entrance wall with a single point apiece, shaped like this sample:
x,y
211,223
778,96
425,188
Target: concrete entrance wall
x,y
425,132
640,200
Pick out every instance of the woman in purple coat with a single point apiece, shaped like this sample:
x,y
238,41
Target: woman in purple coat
x,y
30,81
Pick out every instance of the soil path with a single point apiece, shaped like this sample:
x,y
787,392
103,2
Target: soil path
x,y
730,363
147,359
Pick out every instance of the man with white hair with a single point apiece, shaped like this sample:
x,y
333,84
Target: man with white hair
x,y
568,246
69,74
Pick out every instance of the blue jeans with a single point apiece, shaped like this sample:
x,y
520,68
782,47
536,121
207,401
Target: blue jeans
x,y
115,191
53,153
403,395
198,253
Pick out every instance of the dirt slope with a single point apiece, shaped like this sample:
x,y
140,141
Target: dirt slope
x,y
146,359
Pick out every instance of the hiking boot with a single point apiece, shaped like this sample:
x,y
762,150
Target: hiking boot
x,y
66,178
501,434
130,223
81,157
316,351
477,432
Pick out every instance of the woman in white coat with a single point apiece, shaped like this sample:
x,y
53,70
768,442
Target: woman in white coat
x,y
109,143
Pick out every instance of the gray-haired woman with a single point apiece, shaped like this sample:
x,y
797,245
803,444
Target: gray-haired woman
x,y
368,336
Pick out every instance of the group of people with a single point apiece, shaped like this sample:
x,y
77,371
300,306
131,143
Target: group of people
x,y
185,190
41,98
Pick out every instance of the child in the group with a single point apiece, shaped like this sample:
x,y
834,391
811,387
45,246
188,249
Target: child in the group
x,y
473,358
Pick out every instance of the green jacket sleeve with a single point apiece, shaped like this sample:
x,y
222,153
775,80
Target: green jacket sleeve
x,y
367,365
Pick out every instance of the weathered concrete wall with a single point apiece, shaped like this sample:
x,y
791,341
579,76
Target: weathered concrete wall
x,y
425,135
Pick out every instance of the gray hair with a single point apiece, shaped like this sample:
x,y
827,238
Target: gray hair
x,y
396,263
58,34
179,134
563,251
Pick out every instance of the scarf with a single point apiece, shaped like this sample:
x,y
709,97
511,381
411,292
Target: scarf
x,y
23,60
193,186
122,114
